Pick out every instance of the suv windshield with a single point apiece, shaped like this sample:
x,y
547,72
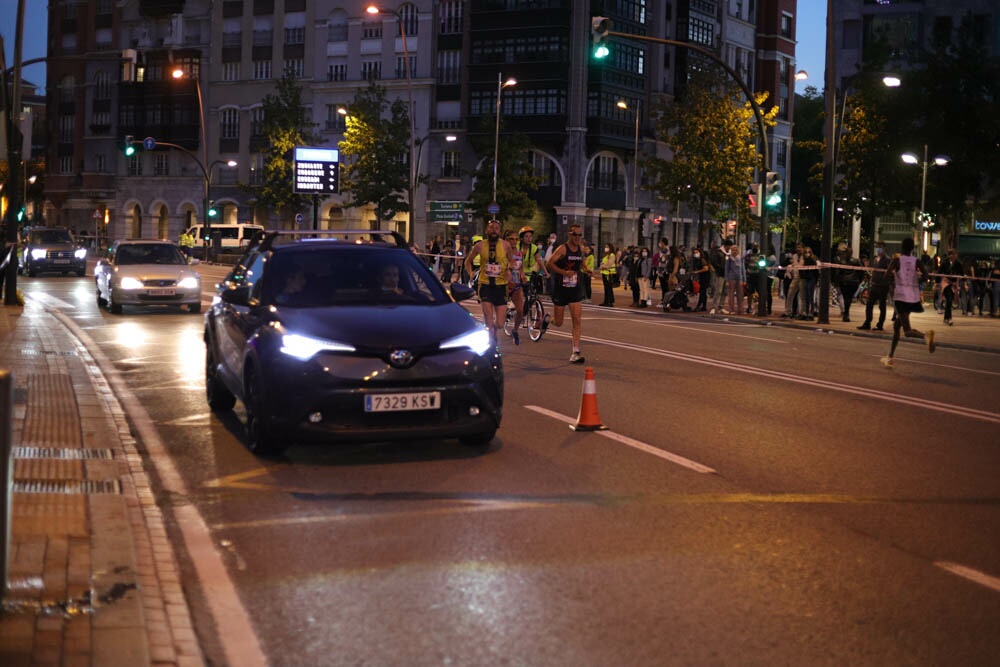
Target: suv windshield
x,y
317,277
50,237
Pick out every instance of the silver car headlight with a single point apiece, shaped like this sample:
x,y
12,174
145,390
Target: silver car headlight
x,y
306,347
128,282
477,340
189,282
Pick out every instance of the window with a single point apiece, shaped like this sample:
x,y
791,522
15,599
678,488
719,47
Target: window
x,y
161,166
67,127
66,164
410,19
451,17
781,152
371,69
606,175
231,71
786,25
451,164
102,118
295,68
102,86
372,32
261,69
135,165
401,66
544,170
295,35
256,169
701,32
257,122
229,123
100,163
337,72
449,68
335,122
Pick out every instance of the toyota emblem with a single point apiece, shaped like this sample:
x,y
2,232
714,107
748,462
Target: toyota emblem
x,y
401,358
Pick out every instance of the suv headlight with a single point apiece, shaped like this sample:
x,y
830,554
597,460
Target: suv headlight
x,y
306,347
477,340
80,253
38,253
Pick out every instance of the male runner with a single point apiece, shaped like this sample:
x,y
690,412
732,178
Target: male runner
x,y
566,266
494,256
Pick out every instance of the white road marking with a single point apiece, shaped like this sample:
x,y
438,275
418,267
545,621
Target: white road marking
x,y
964,369
631,442
974,576
772,374
51,301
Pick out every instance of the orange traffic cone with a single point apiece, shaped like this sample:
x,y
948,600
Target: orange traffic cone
x,y
588,419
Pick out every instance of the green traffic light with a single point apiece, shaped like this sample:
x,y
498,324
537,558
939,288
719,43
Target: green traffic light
x,y
762,262
129,150
601,51
774,200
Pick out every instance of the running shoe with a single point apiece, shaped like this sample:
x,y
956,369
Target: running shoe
x,y
545,323
930,341
576,358
887,362
516,336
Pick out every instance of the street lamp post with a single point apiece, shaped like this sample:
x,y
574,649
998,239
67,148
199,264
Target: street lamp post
x,y
940,161
622,104
501,84
411,185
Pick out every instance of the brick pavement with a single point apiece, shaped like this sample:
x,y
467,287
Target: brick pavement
x,y
92,576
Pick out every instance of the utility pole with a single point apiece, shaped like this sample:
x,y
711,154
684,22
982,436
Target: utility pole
x,y
16,183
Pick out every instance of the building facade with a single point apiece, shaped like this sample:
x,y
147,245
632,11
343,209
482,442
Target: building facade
x,y
190,76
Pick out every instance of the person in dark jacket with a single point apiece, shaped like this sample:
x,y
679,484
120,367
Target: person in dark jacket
x,y
878,288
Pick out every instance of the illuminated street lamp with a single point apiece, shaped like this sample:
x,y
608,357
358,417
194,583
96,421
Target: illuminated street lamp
x,y
622,104
374,10
501,84
940,161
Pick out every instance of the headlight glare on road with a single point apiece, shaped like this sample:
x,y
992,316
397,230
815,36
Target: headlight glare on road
x,y
38,253
80,253
130,283
190,282
305,347
477,340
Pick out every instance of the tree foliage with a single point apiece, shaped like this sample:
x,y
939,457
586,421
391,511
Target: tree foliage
x,y
285,125
374,169
711,133
516,181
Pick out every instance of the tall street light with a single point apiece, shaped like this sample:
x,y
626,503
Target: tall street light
x,y
179,73
622,104
411,185
501,84
940,161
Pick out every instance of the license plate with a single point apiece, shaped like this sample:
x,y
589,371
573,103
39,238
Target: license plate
x,y
427,400
60,261
161,292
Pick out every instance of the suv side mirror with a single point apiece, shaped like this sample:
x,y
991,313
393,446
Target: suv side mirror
x,y
238,296
460,292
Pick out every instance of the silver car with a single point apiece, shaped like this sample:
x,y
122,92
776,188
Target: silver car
x,y
147,273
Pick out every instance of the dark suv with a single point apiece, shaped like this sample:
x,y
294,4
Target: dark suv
x,y
52,249
350,338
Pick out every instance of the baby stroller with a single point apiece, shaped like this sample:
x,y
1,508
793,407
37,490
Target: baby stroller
x,y
677,298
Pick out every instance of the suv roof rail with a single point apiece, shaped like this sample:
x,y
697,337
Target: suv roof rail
x,y
266,238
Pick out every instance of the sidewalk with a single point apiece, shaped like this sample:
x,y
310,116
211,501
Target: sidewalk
x,y
968,332
92,576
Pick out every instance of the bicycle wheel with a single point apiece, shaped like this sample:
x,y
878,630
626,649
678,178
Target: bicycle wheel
x,y
508,320
536,315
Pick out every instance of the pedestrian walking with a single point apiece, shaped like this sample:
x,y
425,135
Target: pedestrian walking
x,y
904,271
878,288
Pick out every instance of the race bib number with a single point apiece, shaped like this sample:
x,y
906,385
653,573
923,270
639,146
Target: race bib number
x,y
492,270
569,281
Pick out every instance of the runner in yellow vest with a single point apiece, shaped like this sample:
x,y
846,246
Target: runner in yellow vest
x,y
494,259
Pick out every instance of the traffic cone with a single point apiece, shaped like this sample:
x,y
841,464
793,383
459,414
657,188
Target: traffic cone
x,y
588,419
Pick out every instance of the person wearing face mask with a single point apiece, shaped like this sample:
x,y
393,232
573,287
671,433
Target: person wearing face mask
x,y
609,268
878,289
702,272
645,268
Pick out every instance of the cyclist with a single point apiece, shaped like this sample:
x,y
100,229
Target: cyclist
x,y
514,287
534,267
567,265
494,256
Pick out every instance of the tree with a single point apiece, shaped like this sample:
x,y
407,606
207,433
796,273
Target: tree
x,y
376,149
516,180
285,125
712,135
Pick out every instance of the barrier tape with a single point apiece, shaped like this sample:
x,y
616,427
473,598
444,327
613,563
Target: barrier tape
x,y
853,267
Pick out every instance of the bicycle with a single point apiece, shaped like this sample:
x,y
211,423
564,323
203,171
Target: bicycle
x,y
534,312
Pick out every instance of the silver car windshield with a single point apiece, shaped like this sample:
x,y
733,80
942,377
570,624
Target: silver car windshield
x,y
153,253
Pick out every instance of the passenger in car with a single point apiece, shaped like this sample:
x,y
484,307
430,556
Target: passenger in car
x,y
295,285
389,279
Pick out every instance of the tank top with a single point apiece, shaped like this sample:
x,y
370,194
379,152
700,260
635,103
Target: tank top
x,y
493,263
516,260
571,261
907,287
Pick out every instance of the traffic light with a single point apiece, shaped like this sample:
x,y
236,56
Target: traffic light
x,y
774,187
129,145
755,199
599,26
212,211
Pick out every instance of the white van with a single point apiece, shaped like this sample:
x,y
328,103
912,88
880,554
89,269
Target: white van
x,y
233,237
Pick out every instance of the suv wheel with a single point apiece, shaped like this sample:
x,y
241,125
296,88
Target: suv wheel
x,y
260,440
219,398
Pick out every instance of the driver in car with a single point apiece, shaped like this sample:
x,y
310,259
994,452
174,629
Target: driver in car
x,y
389,279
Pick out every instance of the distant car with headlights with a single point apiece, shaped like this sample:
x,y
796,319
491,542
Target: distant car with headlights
x,y
51,250
346,339
143,272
